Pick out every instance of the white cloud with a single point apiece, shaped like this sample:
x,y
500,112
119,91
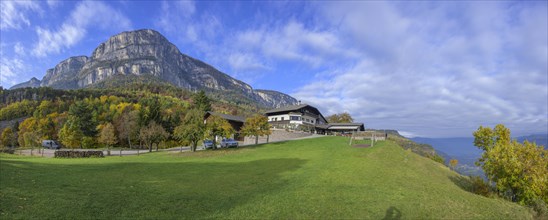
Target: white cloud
x,y
19,49
53,3
243,62
434,71
14,14
176,16
73,30
292,41
10,69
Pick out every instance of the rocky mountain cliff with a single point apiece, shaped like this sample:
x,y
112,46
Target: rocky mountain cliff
x,y
147,52
31,83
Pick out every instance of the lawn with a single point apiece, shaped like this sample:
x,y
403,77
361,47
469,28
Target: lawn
x,y
306,179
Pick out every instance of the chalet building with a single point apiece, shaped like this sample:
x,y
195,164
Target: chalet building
x,y
307,118
296,117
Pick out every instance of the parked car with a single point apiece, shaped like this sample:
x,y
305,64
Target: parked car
x,y
229,142
208,144
50,144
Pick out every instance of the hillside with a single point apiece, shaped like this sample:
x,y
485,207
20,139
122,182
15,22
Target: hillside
x,y
148,53
320,178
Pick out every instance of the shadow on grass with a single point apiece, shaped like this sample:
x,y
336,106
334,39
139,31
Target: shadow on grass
x,y
159,190
392,213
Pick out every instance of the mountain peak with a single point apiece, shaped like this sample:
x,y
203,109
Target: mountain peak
x,y
146,52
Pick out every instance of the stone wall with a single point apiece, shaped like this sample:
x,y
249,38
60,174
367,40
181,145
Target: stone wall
x,y
277,135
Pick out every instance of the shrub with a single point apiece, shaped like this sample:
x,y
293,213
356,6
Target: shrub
x,y
89,143
479,186
78,154
540,208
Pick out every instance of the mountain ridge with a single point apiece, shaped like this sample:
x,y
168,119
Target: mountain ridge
x,y
147,52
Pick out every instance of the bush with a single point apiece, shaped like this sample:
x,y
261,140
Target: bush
x,y
540,208
89,143
78,154
479,186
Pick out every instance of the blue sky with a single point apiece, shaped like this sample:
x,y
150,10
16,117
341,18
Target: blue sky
x,y
435,69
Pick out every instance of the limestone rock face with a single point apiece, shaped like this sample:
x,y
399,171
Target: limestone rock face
x,y
275,99
31,83
147,52
63,75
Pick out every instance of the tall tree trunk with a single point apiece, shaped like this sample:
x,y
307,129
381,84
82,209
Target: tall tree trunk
x,y
150,147
121,150
267,138
108,150
129,141
157,146
256,139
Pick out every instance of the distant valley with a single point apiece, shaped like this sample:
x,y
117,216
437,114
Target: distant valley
x,y
463,149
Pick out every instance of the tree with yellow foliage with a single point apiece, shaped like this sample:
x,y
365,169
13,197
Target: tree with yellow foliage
x,y
217,126
520,171
256,126
107,136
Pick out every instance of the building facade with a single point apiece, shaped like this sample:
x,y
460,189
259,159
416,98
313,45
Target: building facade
x,y
304,117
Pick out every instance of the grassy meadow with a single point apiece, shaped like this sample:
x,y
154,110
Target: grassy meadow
x,y
306,179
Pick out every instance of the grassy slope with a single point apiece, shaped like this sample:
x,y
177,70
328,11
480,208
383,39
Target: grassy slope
x,y
315,178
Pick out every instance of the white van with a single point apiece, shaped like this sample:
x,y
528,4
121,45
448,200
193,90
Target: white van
x,y
50,144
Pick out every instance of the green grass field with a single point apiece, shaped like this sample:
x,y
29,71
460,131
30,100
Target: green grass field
x,y
306,179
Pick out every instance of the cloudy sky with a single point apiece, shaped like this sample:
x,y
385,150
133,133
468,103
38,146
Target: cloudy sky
x,y
434,69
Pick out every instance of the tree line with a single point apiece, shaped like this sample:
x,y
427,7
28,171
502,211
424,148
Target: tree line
x,y
108,121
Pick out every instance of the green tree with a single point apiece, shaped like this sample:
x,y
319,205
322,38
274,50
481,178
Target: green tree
x,y
82,114
520,171
192,129
8,138
152,134
151,110
71,135
202,102
256,126
46,107
218,127
344,117
107,136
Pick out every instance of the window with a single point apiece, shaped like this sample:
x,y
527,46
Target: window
x,y
294,118
282,118
275,119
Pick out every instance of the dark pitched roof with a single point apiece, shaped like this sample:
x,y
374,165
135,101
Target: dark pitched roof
x,y
330,125
287,108
228,117
294,108
345,124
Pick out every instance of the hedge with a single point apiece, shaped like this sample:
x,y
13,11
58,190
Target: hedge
x,y
78,154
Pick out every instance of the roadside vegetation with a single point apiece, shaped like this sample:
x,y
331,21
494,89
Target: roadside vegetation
x,y
322,178
137,115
